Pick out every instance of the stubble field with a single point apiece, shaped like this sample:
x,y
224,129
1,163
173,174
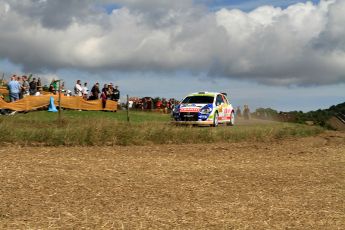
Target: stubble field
x,y
292,183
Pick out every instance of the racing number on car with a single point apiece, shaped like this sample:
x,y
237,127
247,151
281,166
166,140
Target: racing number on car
x,y
224,111
222,106
227,112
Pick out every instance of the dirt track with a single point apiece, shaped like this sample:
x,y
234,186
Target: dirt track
x,y
297,184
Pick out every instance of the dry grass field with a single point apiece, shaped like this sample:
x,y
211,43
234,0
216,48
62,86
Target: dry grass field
x,y
296,183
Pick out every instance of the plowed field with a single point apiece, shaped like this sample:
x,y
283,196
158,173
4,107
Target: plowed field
x,y
287,184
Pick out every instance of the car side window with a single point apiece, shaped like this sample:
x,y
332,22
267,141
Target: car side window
x,y
225,99
219,100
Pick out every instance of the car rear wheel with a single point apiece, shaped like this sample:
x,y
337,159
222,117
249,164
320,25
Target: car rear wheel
x,y
215,119
232,120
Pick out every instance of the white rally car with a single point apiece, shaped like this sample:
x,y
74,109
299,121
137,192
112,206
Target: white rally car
x,y
204,108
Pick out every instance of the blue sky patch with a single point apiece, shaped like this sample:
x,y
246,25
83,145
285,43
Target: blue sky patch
x,y
248,5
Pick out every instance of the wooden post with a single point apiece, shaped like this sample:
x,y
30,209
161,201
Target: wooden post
x,y
127,108
2,80
59,100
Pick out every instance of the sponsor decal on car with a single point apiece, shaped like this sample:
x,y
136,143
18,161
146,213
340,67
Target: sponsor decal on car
x,y
224,118
189,110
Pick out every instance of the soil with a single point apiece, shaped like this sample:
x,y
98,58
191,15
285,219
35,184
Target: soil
x,y
286,184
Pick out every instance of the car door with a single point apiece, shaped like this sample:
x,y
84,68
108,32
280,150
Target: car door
x,y
227,109
221,107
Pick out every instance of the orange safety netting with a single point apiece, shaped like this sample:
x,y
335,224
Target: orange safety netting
x,y
3,91
67,102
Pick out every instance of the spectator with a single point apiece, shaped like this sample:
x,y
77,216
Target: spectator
x,y
68,93
19,80
139,104
39,84
14,88
33,87
25,86
239,112
29,78
165,105
55,85
104,96
246,112
158,104
171,104
164,102
51,86
110,91
78,89
62,85
85,91
105,89
144,103
116,94
95,92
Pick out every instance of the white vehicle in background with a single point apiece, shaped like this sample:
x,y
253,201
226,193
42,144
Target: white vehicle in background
x,y
204,108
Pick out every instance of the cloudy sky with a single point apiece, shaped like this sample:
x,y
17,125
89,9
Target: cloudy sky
x,y
284,54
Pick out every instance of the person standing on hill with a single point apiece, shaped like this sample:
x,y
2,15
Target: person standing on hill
x,y
246,112
14,89
39,84
104,95
95,92
33,87
85,91
116,94
20,81
238,112
110,91
55,86
105,90
78,89
25,86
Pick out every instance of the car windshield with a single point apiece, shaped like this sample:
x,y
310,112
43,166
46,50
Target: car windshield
x,y
198,100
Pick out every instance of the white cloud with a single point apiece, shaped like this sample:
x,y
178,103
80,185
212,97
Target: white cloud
x,y
303,44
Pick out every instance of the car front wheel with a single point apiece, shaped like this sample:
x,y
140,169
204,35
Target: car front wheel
x,y
215,119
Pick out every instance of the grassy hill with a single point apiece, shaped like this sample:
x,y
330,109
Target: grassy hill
x,y
318,117
321,116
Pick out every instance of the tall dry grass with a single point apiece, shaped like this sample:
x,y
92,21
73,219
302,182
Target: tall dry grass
x,y
104,130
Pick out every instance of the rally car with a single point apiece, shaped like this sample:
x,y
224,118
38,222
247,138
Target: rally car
x,y
204,108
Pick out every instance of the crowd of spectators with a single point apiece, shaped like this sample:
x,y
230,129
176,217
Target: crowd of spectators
x,y
21,86
108,92
149,103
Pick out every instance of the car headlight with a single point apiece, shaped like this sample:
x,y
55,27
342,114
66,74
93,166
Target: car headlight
x,y
206,110
176,110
